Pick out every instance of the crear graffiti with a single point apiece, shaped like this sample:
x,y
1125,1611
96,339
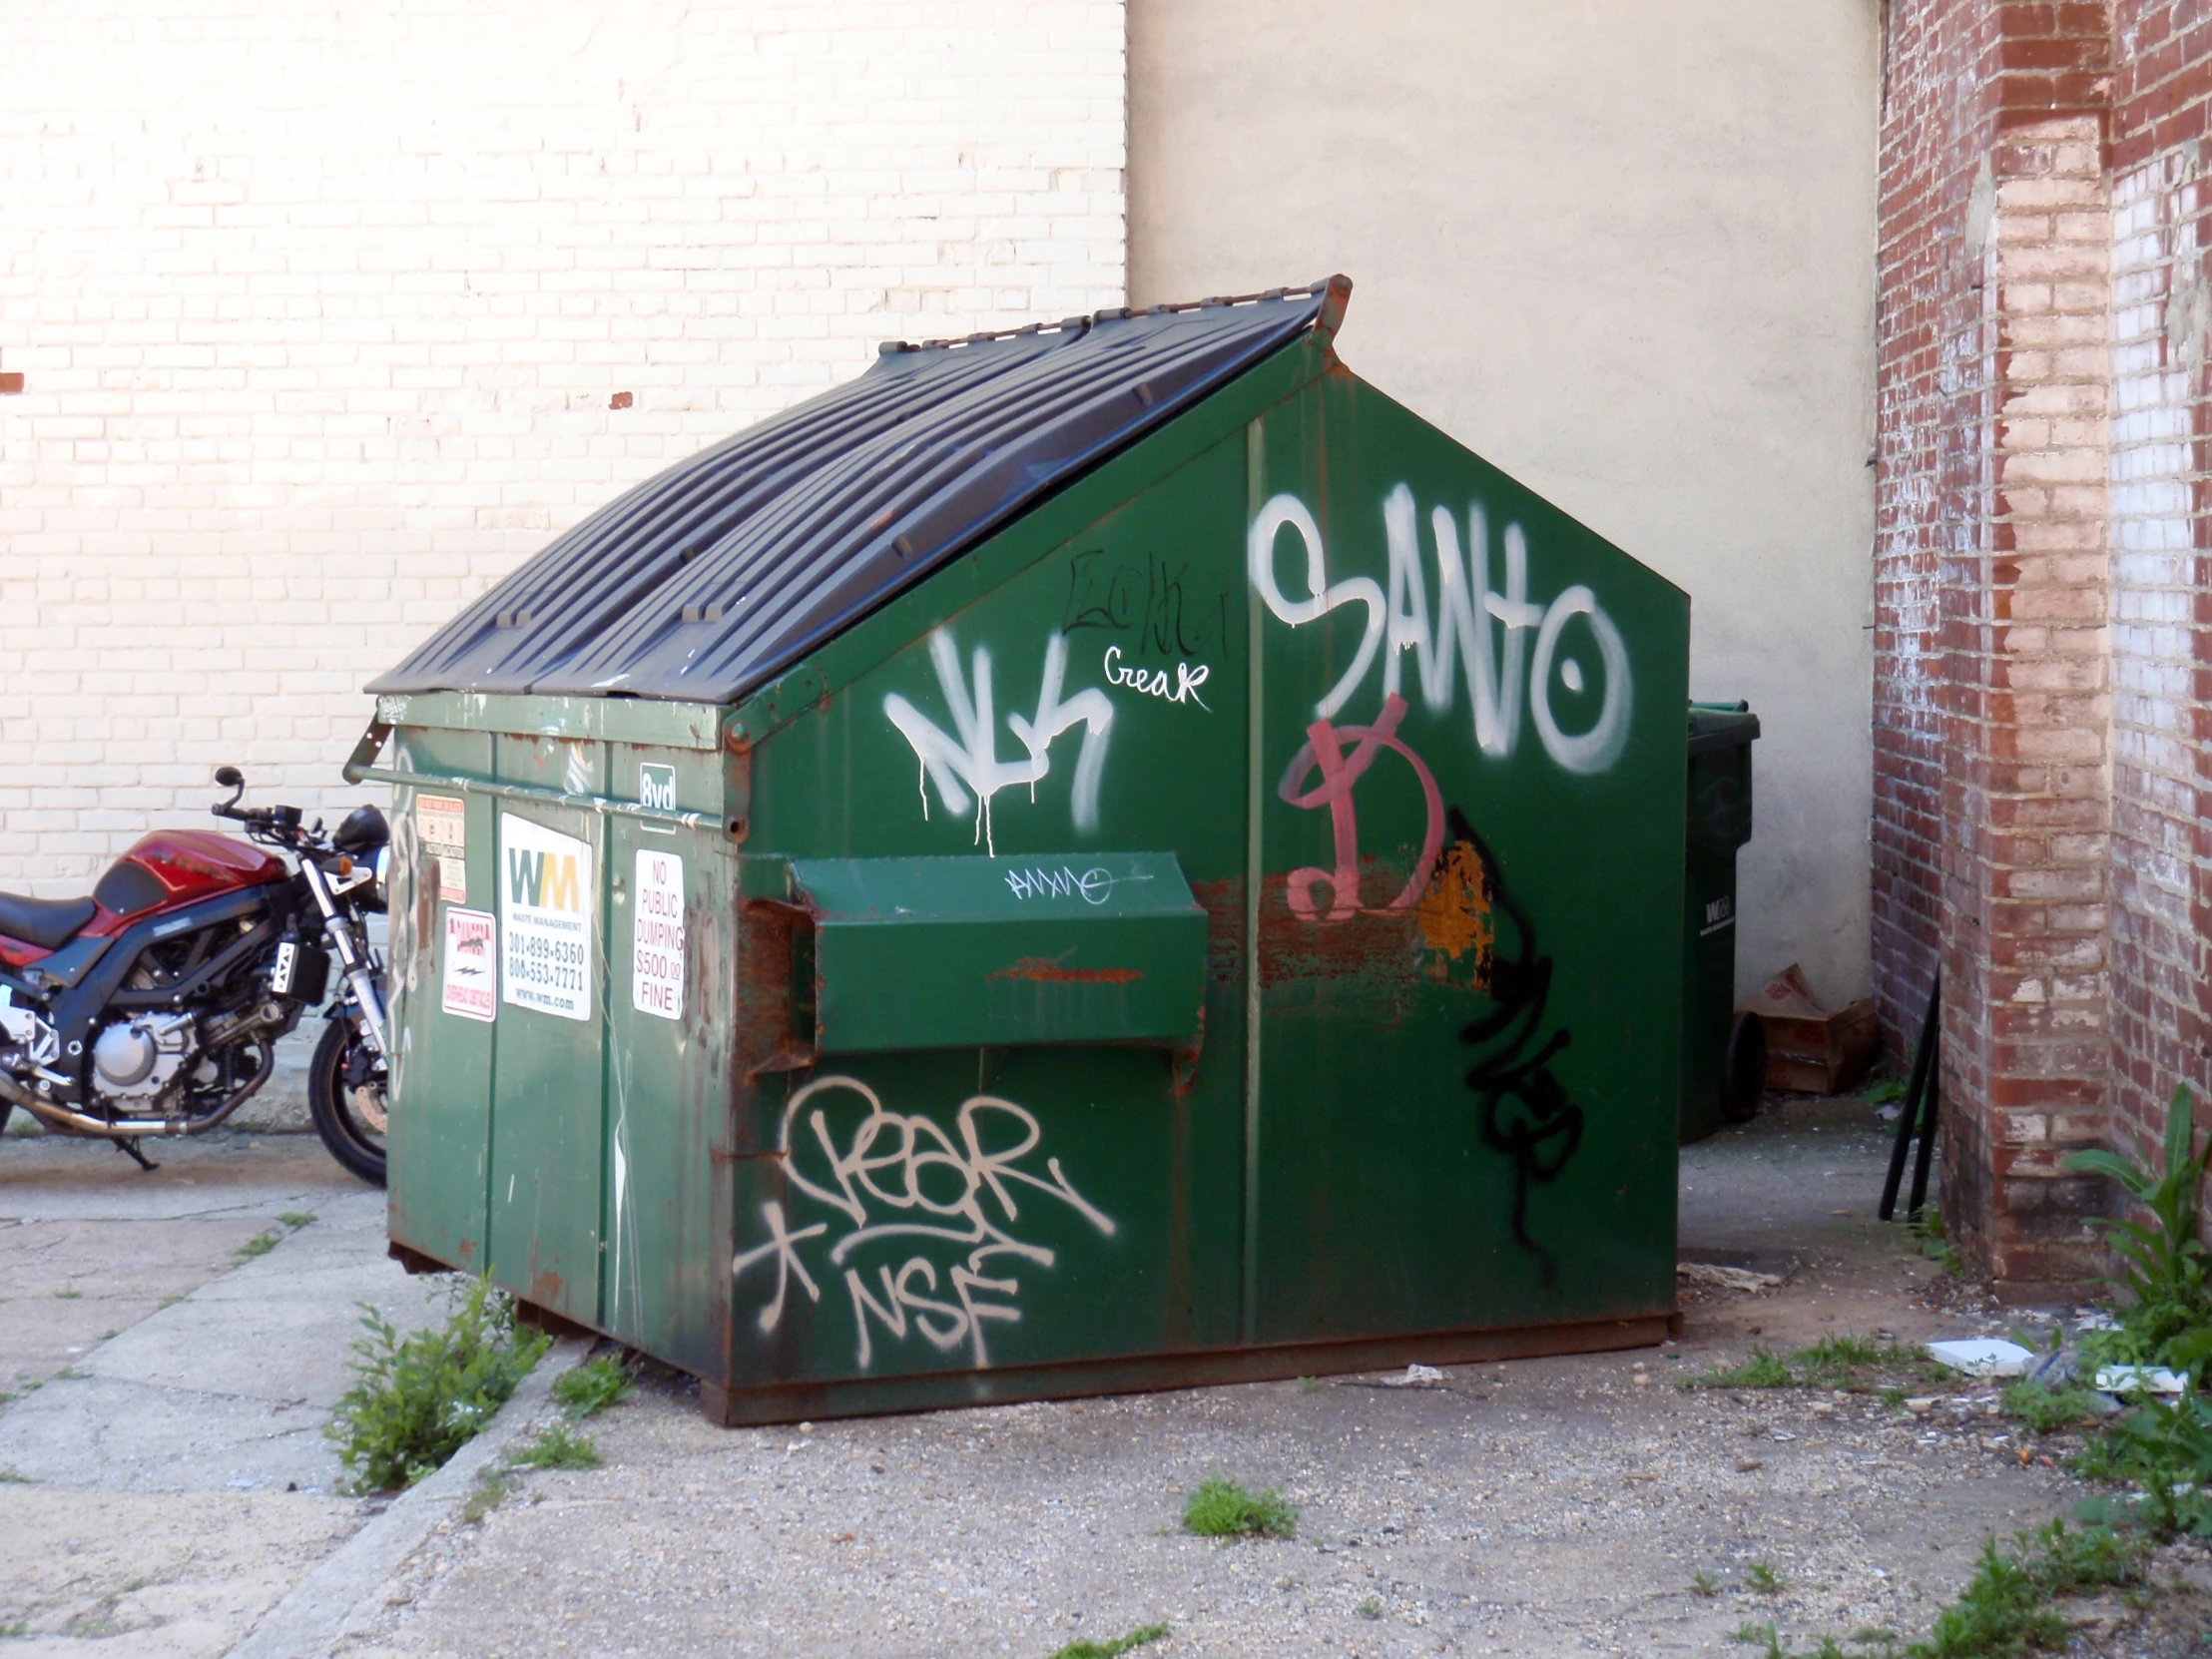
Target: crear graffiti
x,y
931,1210
1522,1110
967,770
1457,637
1154,682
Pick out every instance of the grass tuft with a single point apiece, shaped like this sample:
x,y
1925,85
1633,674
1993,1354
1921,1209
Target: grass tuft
x,y
1224,1509
296,1219
1371,1608
1762,1577
1703,1583
592,1387
557,1447
2046,1409
1084,1648
420,1399
258,1245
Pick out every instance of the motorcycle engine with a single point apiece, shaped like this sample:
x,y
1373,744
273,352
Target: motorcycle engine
x,y
139,1058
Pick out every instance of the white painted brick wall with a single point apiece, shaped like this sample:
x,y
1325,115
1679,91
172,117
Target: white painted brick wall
x,y
321,311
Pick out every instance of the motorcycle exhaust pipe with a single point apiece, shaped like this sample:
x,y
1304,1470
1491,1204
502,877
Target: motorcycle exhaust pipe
x,y
78,1123
72,1122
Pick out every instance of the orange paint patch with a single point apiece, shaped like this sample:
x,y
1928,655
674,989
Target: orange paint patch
x,y
1454,915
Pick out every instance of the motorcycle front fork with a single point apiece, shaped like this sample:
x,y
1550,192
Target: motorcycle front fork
x,y
355,956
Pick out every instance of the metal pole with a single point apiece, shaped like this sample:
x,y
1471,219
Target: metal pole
x,y
1923,1055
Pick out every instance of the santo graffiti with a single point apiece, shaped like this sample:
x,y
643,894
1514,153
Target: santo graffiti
x,y
946,1201
1460,638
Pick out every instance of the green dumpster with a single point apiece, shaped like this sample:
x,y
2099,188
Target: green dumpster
x,y
1095,857
1724,1053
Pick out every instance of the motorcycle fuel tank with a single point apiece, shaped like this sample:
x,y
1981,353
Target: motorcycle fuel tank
x,y
178,866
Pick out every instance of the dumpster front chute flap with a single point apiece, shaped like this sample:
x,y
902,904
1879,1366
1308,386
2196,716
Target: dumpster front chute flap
x,y
709,579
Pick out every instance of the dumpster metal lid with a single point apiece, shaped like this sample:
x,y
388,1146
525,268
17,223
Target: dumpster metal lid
x,y
708,580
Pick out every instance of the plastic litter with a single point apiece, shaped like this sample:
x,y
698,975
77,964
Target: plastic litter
x,y
1726,1279
1982,1357
2123,1379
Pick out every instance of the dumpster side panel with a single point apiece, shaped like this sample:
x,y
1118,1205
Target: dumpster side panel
x,y
1471,799
547,1127
440,1162
1032,1202
670,1007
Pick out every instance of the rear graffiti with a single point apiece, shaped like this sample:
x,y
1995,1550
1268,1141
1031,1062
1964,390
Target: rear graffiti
x,y
967,770
1460,639
952,1196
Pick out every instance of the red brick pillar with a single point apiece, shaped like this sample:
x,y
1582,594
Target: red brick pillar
x,y
2025,784
1990,691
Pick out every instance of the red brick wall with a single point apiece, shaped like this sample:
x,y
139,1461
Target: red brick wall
x,y
2043,591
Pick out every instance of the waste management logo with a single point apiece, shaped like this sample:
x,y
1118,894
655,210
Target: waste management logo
x,y
546,898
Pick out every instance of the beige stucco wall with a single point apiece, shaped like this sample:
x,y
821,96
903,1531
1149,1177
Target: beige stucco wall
x,y
1622,251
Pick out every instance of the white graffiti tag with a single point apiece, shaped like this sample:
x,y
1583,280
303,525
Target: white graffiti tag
x,y
971,762
1461,636
902,1176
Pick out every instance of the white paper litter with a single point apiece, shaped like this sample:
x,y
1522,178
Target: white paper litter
x,y
1416,1376
1726,1279
2120,1380
1982,1357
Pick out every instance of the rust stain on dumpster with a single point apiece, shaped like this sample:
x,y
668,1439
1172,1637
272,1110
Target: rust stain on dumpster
x,y
1047,972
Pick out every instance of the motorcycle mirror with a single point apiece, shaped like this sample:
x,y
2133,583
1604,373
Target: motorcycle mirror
x,y
229,778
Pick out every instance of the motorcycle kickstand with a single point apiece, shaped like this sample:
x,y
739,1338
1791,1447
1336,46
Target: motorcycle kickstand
x,y
131,1147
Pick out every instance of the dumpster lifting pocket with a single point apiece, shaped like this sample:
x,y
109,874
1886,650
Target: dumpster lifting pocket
x,y
912,953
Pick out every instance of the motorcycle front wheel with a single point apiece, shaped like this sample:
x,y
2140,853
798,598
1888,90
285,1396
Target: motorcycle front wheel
x,y
346,1097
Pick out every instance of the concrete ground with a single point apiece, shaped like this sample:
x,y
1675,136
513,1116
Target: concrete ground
x,y
164,1476
179,1486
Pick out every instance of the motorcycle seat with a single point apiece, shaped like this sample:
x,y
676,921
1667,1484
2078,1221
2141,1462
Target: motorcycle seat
x,y
48,924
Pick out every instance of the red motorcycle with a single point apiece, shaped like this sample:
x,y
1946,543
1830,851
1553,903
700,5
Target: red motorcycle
x,y
154,1006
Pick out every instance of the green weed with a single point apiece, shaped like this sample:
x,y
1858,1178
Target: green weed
x,y
1848,1362
2166,1450
19,1628
1926,1227
2006,1607
592,1387
1762,1370
1703,1583
1224,1509
1084,1648
1761,1577
259,1245
1889,1092
2046,1409
417,1399
296,1219
1371,1608
557,1447
1309,1385
2167,1318
71,1295
493,1487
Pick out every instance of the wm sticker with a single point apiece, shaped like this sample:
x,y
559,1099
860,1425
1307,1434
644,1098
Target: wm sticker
x,y
546,898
